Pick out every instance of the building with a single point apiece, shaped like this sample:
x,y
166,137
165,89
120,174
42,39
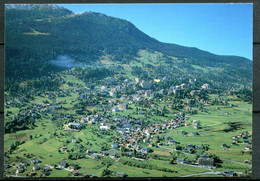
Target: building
x,y
192,81
145,85
123,106
112,93
195,92
185,86
206,86
104,87
75,125
83,96
228,173
190,102
157,80
148,93
205,161
137,80
114,109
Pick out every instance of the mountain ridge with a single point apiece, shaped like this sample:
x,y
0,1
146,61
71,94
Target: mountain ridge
x,y
43,34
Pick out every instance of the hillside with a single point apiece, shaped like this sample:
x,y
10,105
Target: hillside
x,y
39,33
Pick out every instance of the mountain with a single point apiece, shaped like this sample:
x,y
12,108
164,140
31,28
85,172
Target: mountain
x,y
36,34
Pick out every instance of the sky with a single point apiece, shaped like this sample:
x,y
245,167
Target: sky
x,y
222,29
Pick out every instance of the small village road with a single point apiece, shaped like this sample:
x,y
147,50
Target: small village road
x,y
15,176
206,173
236,162
203,173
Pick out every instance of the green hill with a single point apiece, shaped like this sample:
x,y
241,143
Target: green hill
x,y
37,34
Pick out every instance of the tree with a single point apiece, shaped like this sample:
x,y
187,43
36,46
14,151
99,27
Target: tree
x,y
106,172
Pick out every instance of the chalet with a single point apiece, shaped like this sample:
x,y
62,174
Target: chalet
x,y
75,173
157,80
83,96
246,141
46,169
159,144
35,161
123,106
85,175
73,167
109,81
32,174
151,144
114,145
102,128
199,147
84,120
192,81
112,93
182,161
228,173
75,125
194,133
94,156
225,147
137,80
7,166
190,147
127,81
120,174
89,151
113,155
171,141
206,86
166,137
104,87
36,167
182,132
233,143
104,153
19,170
63,164
247,148
93,176
145,150
129,153
190,102
114,109
195,92
205,161
162,91
148,93
187,124
145,140
185,86
145,85
196,126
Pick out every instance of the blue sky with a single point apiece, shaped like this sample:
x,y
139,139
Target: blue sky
x,y
223,29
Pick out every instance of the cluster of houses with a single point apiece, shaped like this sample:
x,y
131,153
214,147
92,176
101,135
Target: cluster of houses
x,y
20,167
242,137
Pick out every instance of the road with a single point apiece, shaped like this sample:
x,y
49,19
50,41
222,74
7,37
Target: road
x,y
205,173
236,162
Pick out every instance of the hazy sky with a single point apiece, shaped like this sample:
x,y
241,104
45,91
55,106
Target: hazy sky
x,y
224,29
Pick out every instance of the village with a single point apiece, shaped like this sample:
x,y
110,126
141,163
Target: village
x,y
135,116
